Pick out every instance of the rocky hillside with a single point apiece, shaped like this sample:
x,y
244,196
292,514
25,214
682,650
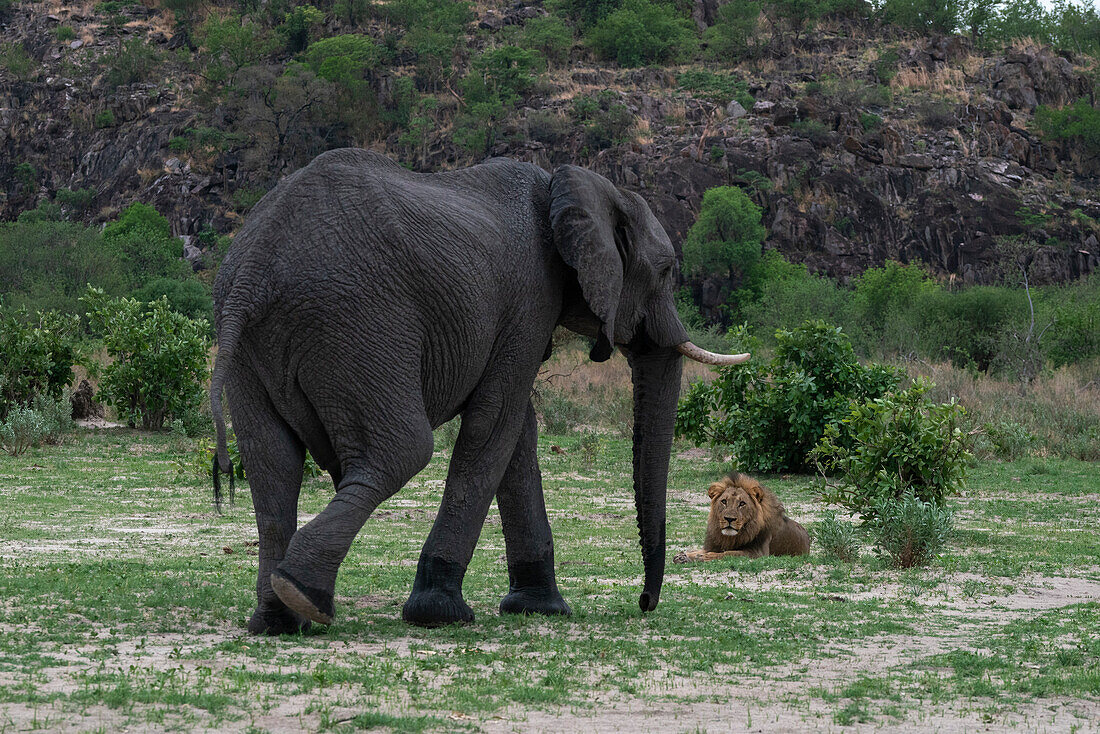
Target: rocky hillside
x,y
860,142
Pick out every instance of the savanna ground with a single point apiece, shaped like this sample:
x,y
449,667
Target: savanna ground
x,y
124,599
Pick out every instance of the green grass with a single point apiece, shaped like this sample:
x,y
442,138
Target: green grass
x,y
123,599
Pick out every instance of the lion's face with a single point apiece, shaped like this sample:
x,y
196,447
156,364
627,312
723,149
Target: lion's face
x,y
732,508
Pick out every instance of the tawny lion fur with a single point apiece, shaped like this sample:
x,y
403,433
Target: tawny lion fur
x,y
747,519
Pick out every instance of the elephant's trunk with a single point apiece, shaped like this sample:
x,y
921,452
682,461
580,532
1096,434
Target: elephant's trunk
x,y
656,376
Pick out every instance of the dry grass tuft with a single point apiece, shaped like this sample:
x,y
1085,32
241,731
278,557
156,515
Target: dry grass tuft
x,y
945,81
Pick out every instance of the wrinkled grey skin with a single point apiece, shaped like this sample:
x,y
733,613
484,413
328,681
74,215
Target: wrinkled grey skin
x,y
362,305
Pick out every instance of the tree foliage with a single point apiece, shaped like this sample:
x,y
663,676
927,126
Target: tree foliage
x,y
158,358
643,32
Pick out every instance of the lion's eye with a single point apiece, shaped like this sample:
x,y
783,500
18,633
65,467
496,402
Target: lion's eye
x,y
723,502
742,504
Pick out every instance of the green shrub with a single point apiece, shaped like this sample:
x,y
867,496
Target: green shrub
x,y
352,12
143,240
590,446
734,34
435,31
606,120
1004,439
837,539
889,446
777,294
727,237
46,420
36,356
344,59
159,358
909,531
136,61
25,174
76,201
717,88
587,12
188,297
559,413
774,415
15,60
550,37
48,263
298,26
1079,122
643,32
930,16
64,33
104,118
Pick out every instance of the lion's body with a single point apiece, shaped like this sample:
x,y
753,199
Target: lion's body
x,y
747,519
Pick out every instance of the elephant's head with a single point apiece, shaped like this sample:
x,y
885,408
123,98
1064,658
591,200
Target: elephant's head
x,y
626,273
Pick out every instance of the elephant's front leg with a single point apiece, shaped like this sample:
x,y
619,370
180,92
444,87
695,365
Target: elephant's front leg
x,y
532,587
490,427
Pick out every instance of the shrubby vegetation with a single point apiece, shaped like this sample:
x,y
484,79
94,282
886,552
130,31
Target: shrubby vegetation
x,y
45,420
36,355
773,415
889,447
909,531
159,359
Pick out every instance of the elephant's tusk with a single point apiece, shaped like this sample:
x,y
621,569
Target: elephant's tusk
x,y
691,351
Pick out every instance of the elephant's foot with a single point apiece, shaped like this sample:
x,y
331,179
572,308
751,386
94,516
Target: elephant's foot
x,y
534,601
436,597
276,620
311,603
532,589
436,608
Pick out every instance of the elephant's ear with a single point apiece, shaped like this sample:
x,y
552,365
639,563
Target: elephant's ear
x,y
585,210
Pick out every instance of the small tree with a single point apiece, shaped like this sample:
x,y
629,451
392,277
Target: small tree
x,y
159,358
727,237
643,32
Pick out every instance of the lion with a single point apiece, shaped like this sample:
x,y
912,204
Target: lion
x,y
747,519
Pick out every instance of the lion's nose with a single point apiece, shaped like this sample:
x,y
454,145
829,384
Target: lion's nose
x,y
728,519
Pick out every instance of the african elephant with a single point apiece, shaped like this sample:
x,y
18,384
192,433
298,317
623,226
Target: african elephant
x,y
361,305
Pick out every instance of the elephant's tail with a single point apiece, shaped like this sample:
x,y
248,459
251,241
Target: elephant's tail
x,y
229,334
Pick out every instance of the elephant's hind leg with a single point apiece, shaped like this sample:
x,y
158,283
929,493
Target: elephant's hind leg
x,y
274,457
306,579
532,587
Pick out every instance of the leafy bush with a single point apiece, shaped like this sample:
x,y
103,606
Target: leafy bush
x,y
104,118
734,35
774,415
606,120
727,237
435,31
1079,122
550,37
159,358
342,59
643,32
36,356
909,531
930,16
143,240
717,88
45,420
187,297
890,446
16,61
198,462
778,294
298,25
136,61
47,264
1004,439
62,32
837,539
